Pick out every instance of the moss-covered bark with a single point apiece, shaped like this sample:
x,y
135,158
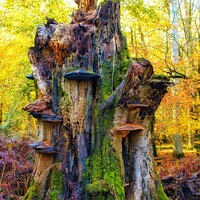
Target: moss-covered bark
x,y
33,192
160,192
105,172
56,184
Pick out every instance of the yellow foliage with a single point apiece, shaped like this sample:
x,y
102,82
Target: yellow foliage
x,y
149,30
19,20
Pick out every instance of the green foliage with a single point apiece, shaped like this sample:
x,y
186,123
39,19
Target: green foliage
x,y
154,17
139,10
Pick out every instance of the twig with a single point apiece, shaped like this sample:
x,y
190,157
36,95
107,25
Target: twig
x,y
2,173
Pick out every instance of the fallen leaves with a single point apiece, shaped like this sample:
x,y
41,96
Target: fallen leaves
x,y
15,168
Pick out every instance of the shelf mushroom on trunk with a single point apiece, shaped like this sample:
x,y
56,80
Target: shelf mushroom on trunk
x,y
127,128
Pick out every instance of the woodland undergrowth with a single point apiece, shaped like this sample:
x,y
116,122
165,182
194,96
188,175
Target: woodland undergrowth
x,y
16,167
180,177
170,166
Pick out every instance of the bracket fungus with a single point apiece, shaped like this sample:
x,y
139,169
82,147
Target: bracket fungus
x,y
125,129
30,76
81,75
136,105
47,116
43,147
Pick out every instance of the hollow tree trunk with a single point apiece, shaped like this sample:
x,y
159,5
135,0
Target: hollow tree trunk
x,y
94,111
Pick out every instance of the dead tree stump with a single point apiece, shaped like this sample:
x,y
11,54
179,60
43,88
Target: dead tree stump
x,y
94,110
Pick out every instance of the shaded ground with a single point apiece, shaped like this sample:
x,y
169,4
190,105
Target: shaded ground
x,y
180,177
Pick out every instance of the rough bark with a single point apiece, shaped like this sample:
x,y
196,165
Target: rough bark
x,y
100,116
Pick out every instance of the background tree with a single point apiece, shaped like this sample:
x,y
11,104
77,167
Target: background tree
x,y
187,99
158,39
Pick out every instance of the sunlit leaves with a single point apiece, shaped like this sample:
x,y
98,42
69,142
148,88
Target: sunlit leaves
x,y
18,24
148,27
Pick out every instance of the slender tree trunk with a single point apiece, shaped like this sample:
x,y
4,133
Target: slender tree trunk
x,y
143,43
177,137
94,111
134,43
190,133
190,52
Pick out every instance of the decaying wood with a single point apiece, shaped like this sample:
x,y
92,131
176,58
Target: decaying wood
x,y
39,105
86,5
99,160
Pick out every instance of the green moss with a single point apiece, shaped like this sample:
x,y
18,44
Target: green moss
x,y
104,169
60,91
66,99
105,175
56,189
179,156
122,66
159,188
98,186
120,70
56,184
106,84
33,192
124,54
160,192
71,69
110,81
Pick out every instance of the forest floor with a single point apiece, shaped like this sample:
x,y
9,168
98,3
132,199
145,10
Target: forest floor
x,y
168,165
180,177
